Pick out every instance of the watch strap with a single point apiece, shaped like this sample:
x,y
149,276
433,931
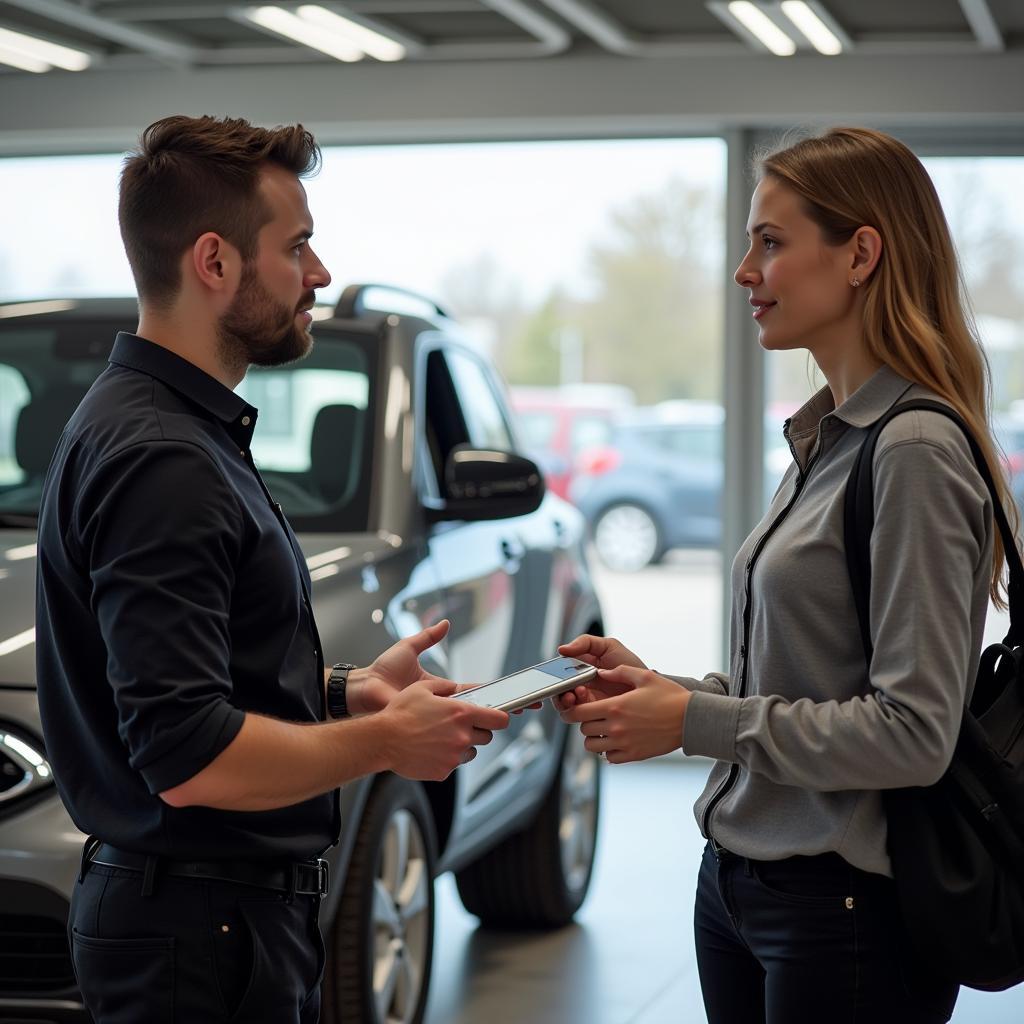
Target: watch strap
x,y
337,683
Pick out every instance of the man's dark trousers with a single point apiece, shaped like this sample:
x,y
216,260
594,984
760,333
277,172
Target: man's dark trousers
x,y
194,952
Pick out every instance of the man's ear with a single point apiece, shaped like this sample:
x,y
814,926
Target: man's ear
x,y
866,252
215,262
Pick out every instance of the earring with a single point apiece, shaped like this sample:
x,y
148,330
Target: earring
x,y
855,282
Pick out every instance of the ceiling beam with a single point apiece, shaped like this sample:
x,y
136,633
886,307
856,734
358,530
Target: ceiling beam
x,y
610,34
983,24
157,44
205,12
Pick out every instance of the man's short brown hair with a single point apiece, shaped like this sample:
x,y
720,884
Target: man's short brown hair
x,y
191,175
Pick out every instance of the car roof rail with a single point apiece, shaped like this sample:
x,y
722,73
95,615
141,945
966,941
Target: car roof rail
x,y
385,298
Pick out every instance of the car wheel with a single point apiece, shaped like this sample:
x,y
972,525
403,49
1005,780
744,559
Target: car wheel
x,y
538,878
627,537
382,938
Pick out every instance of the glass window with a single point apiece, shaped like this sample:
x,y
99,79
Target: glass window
x,y
536,429
589,432
484,417
312,436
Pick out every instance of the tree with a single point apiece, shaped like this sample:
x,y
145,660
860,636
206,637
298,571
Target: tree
x,y
655,321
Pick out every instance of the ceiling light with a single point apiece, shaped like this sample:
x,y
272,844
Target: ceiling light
x,y
39,50
286,24
17,59
755,21
821,37
373,43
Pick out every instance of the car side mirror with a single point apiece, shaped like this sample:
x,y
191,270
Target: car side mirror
x,y
485,484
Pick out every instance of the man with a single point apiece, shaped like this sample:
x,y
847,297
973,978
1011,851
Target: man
x,y
181,679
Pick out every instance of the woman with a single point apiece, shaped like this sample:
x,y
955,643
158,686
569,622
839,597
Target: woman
x,y
850,258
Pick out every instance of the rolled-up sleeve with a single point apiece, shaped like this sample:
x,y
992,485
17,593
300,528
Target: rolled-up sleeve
x,y
931,550
162,532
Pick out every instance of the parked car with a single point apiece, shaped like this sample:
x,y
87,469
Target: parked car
x,y
657,483
357,442
556,424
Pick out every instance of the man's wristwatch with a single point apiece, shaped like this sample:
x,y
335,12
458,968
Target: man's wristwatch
x,y
337,681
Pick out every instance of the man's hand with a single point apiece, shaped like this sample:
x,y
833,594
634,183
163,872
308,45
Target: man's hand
x,y
643,719
373,688
429,736
603,653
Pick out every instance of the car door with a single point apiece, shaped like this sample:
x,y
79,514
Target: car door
x,y
492,572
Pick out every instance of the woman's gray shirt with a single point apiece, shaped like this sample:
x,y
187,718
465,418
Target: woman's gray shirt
x,y
804,735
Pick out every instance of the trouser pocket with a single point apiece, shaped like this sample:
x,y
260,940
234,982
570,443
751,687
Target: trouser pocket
x,y
125,981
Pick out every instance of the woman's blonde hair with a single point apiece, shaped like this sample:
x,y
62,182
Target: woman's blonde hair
x,y
916,316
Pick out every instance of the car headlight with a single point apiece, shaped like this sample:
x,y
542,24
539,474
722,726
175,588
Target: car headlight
x,y
23,768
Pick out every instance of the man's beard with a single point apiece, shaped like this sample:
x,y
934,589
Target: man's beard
x,y
258,330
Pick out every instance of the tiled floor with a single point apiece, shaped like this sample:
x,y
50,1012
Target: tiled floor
x,y
629,958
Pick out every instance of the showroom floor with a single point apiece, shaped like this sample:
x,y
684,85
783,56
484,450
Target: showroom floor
x,y
629,959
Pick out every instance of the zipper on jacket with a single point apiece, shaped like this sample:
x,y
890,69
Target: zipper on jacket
x,y
734,769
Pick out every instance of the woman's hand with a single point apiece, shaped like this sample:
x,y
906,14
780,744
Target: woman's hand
x,y
603,652
643,719
371,689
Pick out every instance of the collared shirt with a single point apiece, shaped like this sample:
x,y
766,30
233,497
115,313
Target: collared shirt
x,y
804,733
172,599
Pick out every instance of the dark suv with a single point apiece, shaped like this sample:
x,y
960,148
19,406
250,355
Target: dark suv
x,y
390,449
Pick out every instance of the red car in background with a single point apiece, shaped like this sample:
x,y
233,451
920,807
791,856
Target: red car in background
x,y
555,424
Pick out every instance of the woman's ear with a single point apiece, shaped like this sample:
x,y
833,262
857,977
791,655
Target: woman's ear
x,y
866,252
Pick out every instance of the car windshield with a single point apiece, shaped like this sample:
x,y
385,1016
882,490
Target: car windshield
x,y
313,442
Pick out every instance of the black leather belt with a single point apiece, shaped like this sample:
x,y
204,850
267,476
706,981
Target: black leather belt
x,y
304,878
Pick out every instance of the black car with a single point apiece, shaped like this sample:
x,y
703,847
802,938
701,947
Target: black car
x,y
356,442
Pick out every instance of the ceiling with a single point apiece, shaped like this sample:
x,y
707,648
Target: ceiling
x,y
140,34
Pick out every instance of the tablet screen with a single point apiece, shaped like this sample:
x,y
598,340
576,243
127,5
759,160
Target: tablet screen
x,y
530,680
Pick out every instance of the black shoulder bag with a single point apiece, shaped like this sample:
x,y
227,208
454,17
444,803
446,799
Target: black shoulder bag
x,y
957,847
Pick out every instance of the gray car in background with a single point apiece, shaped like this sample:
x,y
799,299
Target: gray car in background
x,y
357,442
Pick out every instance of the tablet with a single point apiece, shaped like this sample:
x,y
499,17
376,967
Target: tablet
x,y
530,685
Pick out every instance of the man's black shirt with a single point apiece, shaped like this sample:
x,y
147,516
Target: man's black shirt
x,y
172,598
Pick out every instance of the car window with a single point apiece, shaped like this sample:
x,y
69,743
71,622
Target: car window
x,y
485,420
537,428
691,441
313,442
44,372
589,432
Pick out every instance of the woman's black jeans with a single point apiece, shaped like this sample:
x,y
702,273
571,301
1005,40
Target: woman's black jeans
x,y
807,940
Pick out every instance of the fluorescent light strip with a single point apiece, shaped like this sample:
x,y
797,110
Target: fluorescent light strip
x,y
286,24
818,33
755,21
17,59
41,50
373,43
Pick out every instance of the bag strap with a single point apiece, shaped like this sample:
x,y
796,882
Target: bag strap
x,y
859,518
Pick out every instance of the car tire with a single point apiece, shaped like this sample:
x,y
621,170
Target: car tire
x,y
538,877
381,947
627,537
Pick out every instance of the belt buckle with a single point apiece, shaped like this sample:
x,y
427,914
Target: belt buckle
x,y
323,878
